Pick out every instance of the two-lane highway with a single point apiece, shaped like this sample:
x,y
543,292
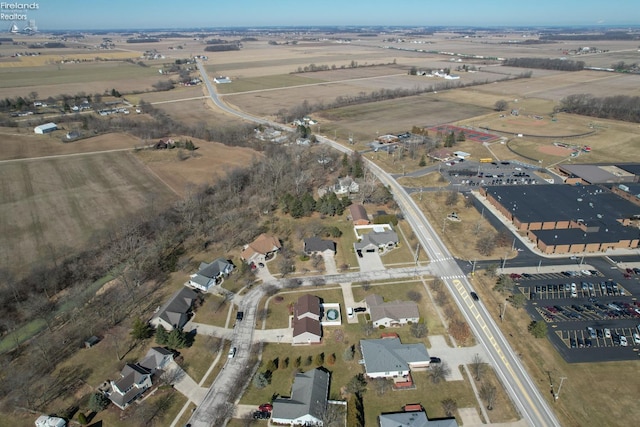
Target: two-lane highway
x,y
531,404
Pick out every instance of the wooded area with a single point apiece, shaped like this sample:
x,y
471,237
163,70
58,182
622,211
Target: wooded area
x,y
619,107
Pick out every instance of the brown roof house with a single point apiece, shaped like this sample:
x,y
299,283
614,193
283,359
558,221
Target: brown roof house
x,y
359,215
394,313
261,249
306,320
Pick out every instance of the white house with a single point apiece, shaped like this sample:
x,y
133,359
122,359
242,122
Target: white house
x,y
210,274
308,401
45,128
389,358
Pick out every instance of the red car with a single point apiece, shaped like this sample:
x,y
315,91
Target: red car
x,y
266,407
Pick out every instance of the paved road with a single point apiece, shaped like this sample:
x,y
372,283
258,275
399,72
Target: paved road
x,y
534,408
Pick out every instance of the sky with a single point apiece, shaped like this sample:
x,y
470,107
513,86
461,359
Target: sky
x,y
145,14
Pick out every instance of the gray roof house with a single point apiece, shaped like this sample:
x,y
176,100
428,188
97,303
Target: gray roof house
x,y
393,313
308,401
315,245
175,312
157,358
388,357
134,380
377,240
209,274
413,419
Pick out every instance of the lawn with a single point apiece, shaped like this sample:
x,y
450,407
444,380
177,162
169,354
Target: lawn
x,y
248,84
197,359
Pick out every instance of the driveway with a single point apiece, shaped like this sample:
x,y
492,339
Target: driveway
x,y
370,261
186,385
454,356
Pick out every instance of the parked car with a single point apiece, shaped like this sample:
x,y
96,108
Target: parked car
x,y
435,360
572,342
591,331
350,311
623,341
265,407
261,415
360,309
607,333
636,338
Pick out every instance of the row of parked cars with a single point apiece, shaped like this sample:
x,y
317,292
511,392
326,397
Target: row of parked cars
x,y
593,333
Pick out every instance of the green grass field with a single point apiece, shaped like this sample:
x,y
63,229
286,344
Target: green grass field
x,y
265,82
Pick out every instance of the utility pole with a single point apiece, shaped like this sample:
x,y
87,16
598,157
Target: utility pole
x,y
503,311
473,269
557,395
513,245
539,264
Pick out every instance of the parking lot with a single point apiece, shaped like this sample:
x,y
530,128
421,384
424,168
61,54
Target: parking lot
x,y
475,174
592,317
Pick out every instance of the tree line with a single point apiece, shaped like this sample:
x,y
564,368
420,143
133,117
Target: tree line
x,y
618,107
609,35
545,64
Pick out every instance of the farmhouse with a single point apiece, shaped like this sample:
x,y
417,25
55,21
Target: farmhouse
x,y
210,274
389,358
175,312
45,128
586,218
395,313
262,249
308,401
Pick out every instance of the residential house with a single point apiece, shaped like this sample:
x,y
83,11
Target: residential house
x,y
175,312
261,249
389,358
308,401
317,246
47,421
345,186
134,380
394,313
413,419
306,320
157,358
210,274
377,241
164,143
359,215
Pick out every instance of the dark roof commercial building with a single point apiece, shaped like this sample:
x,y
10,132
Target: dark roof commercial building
x,y
568,219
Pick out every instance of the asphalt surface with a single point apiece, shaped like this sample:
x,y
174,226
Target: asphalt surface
x,y
533,407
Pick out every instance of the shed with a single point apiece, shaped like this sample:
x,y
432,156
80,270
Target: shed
x,y
90,342
45,128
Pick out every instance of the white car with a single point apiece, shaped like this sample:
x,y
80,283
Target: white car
x,y
607,333
636,338
350,311
232,352
623,341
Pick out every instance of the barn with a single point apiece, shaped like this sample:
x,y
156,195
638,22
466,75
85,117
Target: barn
x,y
45,128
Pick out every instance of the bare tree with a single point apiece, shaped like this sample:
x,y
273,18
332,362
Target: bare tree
x,y
439,372
418,330
477,366
381,386
367,328
449,406
414,296
488,394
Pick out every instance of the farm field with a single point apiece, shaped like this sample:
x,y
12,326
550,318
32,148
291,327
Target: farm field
x,y
209,162
24,144
49,206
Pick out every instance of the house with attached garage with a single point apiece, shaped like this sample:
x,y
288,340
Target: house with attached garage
x,y
262,249
377,241
210,274
393,313
317,246
175,312
359,215
308,402
413,419
306,320
389,358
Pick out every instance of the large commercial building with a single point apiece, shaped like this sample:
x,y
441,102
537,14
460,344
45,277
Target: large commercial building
x,y
563,219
